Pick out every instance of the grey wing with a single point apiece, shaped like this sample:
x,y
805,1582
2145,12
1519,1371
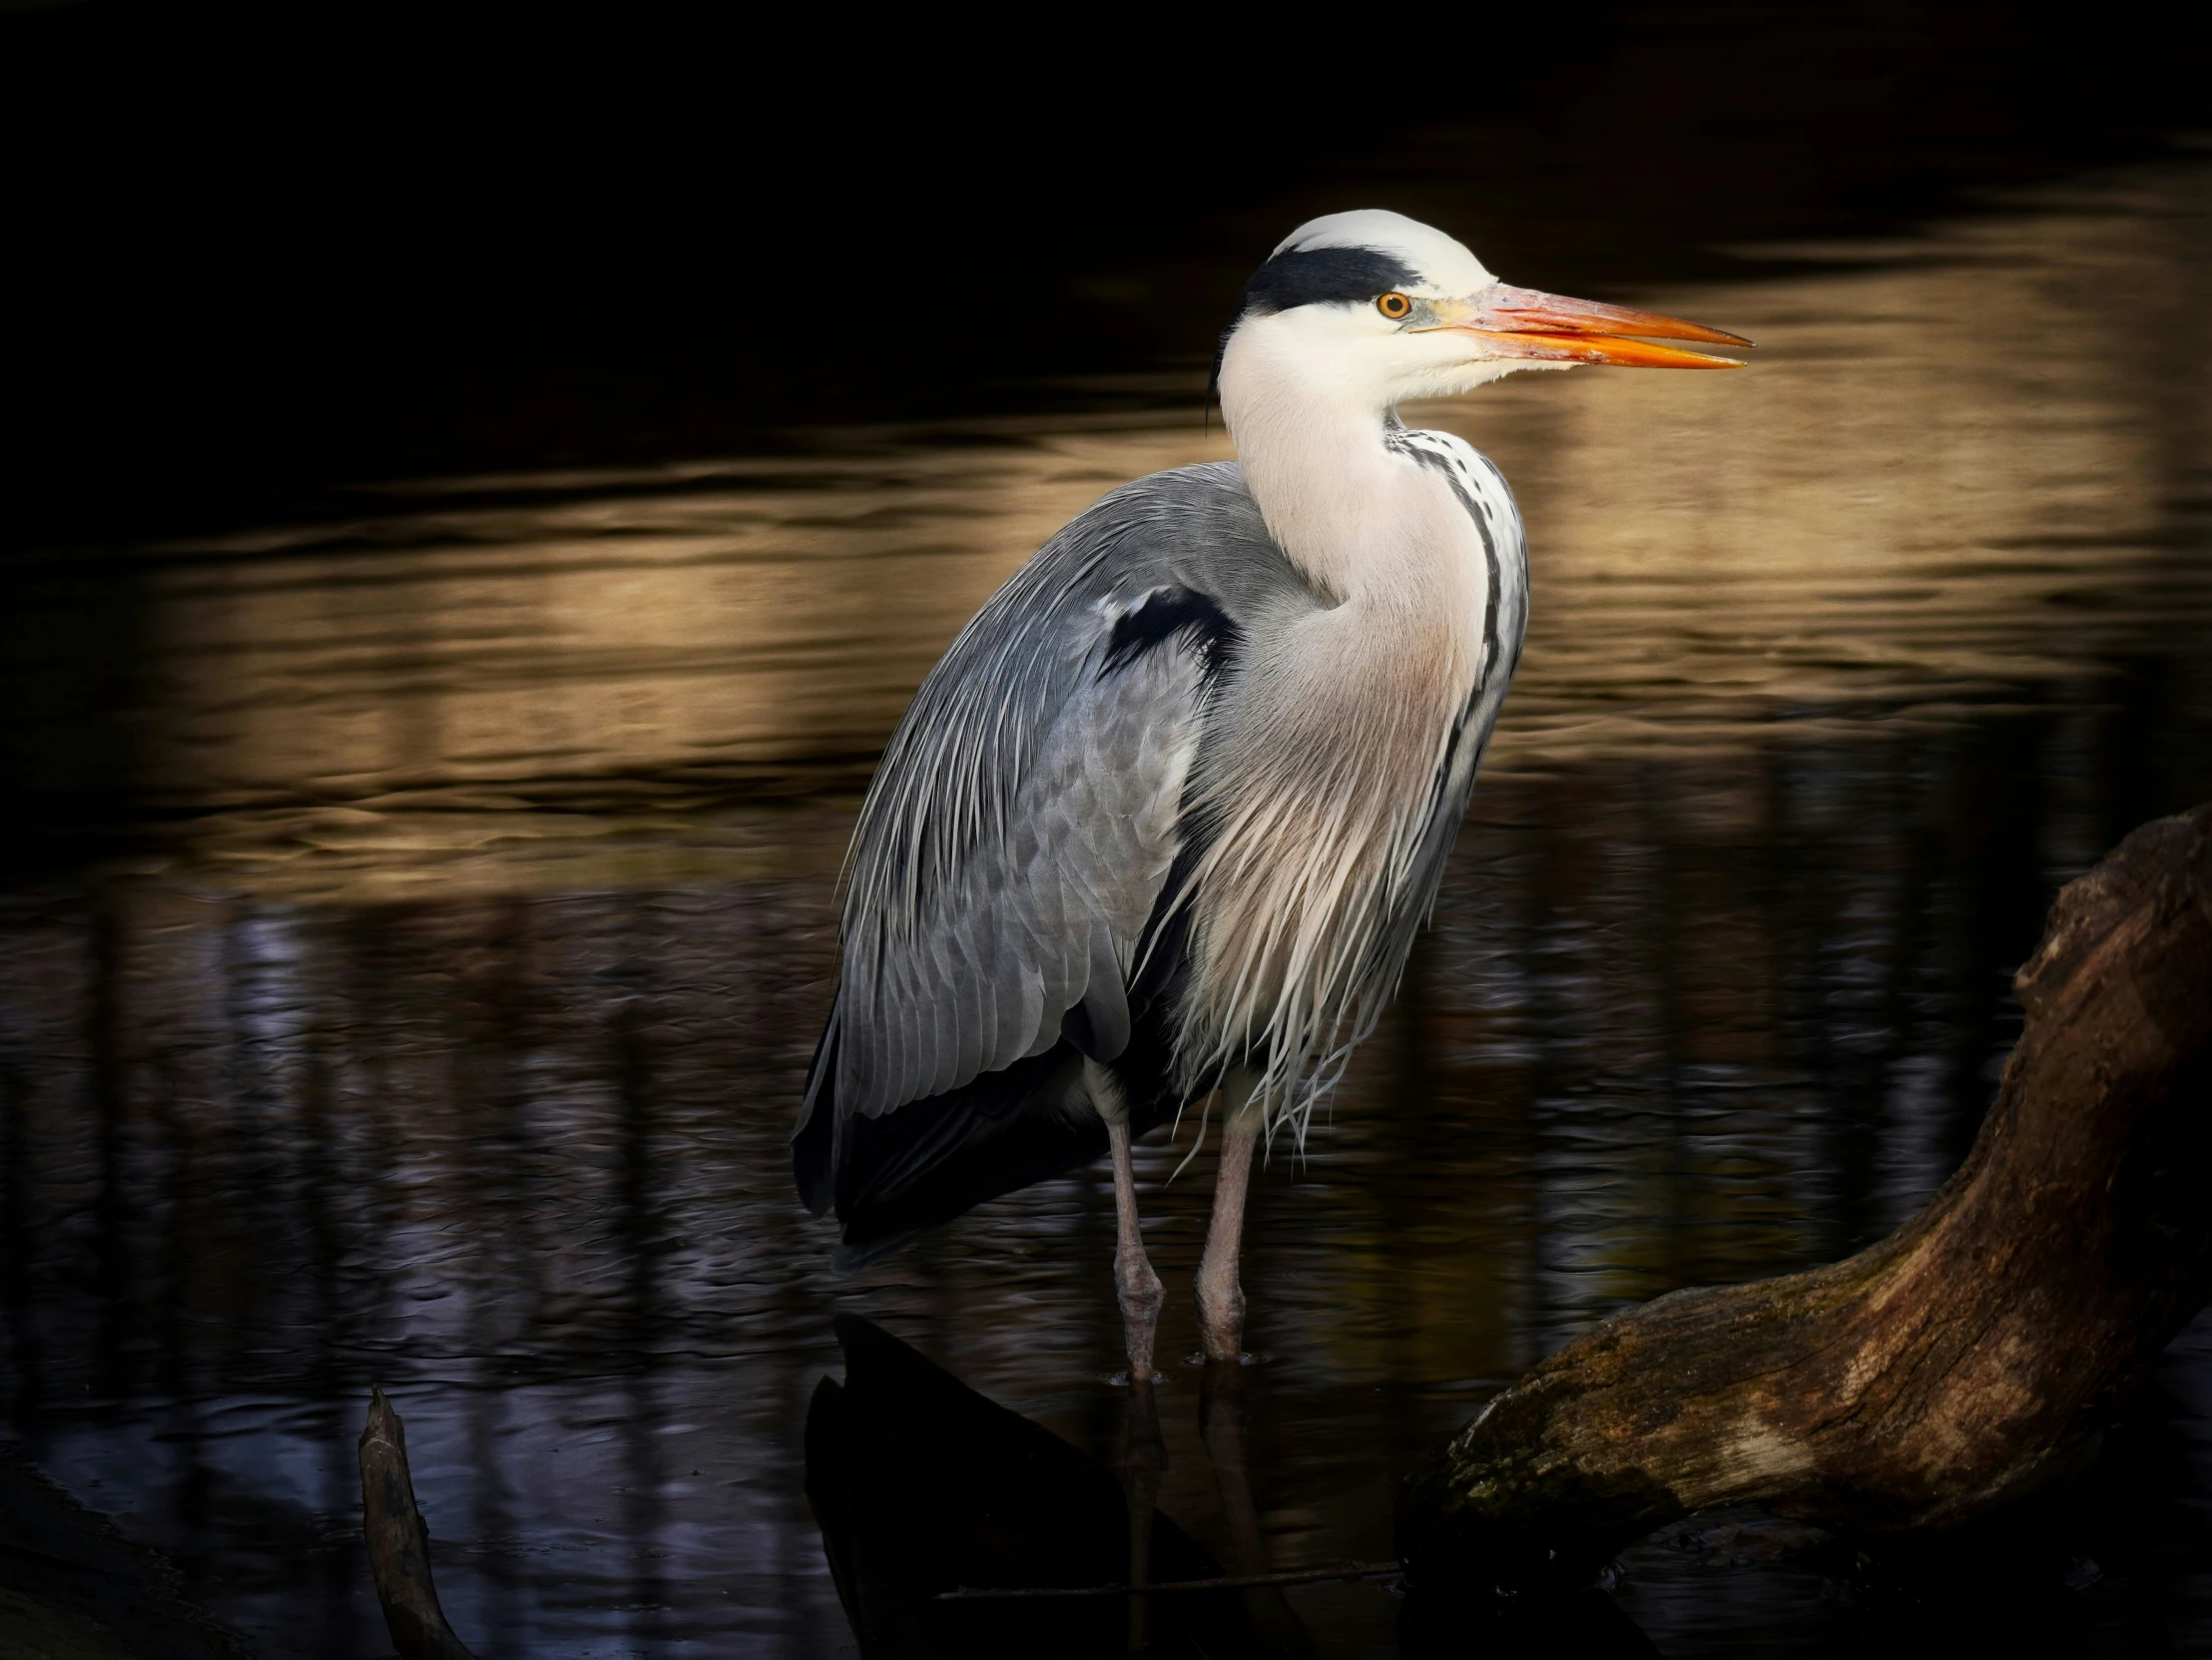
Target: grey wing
x,y
1024,818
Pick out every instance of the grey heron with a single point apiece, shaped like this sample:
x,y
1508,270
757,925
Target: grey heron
x,y
1160,826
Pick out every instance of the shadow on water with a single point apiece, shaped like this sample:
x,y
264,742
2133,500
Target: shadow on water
x,y
73,1587
923,1486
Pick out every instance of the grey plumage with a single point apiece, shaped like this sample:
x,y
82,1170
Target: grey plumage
x,y
1032,850
1024,819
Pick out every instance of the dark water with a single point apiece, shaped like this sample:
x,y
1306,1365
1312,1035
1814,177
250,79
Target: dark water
x,y
439,1021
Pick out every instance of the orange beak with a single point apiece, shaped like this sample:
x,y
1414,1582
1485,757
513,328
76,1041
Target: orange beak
x,y
1521,323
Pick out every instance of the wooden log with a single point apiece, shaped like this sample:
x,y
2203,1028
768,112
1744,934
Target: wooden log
x,y
399,1543
1969,1360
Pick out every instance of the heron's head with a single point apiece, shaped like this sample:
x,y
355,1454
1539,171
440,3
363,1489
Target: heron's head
x,y
1373,308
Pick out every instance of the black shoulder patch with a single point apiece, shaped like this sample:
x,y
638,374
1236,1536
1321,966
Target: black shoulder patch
x,y
1165,614
1324,277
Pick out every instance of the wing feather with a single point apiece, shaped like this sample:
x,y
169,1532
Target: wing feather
x,y
1024,818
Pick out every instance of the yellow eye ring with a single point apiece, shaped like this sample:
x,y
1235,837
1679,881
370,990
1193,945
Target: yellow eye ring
x,y
1393,306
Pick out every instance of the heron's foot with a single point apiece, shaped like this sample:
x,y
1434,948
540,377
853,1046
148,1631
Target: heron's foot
x,y
1141,1295
1221,1314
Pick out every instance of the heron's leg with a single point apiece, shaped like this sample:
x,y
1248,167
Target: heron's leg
x,y
1143,1454
1220,1302
1138,1286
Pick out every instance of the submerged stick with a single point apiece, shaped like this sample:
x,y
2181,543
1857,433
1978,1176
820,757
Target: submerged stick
x,y
1973,1357
1228,1582
399,1543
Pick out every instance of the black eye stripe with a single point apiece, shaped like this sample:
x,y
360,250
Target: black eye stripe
x,y
1326,276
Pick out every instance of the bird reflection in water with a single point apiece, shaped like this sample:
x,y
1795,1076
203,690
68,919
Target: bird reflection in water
x,y
922,1486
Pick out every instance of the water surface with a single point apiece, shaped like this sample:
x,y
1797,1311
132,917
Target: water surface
x,y
435,1009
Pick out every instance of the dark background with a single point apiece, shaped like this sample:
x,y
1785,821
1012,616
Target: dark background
x,y
259,256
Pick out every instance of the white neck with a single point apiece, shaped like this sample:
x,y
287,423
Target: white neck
x,y
1343,507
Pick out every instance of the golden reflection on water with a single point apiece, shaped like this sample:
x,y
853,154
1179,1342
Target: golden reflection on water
x,y
1954,470
1943,476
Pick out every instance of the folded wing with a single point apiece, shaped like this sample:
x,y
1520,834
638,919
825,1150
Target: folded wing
x,y
1022,827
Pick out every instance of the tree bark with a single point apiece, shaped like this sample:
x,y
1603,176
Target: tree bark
x,y
399,1543
1970,1358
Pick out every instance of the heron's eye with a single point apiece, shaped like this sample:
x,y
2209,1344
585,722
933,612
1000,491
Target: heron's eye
x,y
1393,306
